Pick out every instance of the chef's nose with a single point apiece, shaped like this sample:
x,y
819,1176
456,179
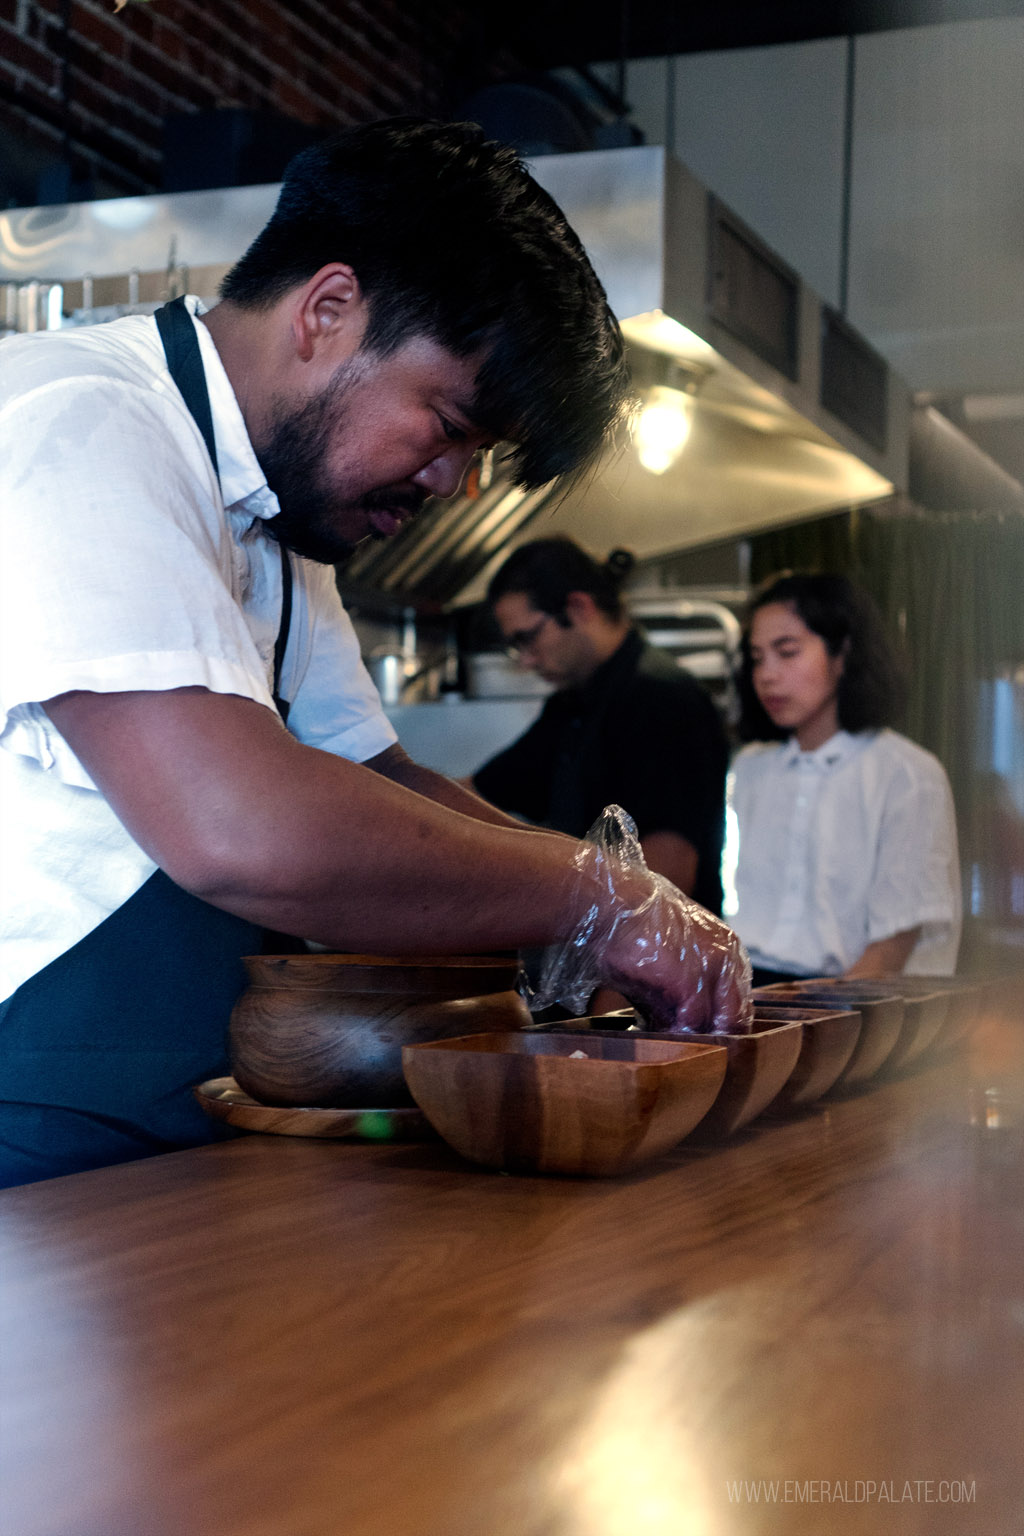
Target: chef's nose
x,y
444,474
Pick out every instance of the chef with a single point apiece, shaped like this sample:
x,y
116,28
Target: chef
x,y
190,748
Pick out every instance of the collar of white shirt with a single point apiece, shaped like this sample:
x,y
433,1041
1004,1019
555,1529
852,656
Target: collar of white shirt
x,y
826,758
241,478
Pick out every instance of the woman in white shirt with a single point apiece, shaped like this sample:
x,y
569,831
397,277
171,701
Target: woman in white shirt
x,y
844,852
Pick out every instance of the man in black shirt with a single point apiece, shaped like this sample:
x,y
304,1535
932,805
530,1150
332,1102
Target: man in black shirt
x,y
626,725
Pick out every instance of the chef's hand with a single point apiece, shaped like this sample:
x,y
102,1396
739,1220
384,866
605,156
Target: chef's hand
x,y
678,965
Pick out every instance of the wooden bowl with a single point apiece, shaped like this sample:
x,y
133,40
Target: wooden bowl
x,y
881,1019
961,995
829,1038
328,1030
924,1017
222,1099
759,1066
923,1013
528,1103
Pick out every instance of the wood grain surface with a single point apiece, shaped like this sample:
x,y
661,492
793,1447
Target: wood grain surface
x,y
327,1030
815,1328
565,1103
881,1020
759,1065
829,1040
222,1099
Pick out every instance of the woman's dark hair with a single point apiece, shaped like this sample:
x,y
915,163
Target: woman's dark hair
x,y
547,570
452,239
872,687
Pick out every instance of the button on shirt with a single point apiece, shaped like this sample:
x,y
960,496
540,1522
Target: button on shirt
x,y
838,848
124,565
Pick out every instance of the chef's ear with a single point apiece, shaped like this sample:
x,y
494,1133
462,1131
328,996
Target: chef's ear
x,y
328,307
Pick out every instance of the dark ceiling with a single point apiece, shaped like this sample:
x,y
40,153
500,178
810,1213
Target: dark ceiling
x,y
577,32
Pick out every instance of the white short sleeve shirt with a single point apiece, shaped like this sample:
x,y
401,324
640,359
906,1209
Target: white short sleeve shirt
x,y
124,565
837,848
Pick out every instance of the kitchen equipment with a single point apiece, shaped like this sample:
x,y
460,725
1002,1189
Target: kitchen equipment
x,y
701,635
571,1103
387,668
327,1030
222,1099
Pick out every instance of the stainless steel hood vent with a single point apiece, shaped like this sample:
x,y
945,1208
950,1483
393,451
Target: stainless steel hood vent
x,y
435,557
792,415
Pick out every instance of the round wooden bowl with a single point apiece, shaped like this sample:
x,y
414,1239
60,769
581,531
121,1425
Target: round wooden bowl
x,y
328,1030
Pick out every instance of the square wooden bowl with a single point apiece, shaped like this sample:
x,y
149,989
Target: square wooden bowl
x,y
829,1038
958,998
759,1066
531,1103
881,1018
924,1011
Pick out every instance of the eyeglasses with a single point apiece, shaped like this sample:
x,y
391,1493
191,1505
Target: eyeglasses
x,y
525,639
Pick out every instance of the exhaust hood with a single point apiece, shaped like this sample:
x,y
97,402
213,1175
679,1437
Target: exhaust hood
x,y
788,413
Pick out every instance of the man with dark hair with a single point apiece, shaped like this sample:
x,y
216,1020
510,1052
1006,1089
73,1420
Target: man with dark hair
x,y
626,725
170,482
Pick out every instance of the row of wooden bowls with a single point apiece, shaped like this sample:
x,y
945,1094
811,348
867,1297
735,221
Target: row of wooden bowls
x,y
527,1103
592,1096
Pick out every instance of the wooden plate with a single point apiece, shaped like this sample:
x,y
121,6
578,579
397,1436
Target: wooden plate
x,y
222,1098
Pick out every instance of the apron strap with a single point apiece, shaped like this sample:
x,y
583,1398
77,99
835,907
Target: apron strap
x,y
281,643
185,362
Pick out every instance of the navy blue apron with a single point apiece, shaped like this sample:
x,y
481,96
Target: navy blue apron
x,y
100,1050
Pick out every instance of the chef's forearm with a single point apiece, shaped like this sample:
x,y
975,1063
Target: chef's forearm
x,y
239,813
405,876
236,811
457,794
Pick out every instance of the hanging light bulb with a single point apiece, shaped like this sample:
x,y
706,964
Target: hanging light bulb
x,y
663,428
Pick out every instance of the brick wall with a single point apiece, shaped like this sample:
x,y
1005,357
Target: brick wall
x,y
75,75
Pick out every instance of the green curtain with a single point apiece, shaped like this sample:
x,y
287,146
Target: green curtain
x,y
951,588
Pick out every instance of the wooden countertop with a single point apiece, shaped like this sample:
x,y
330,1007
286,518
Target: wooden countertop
x,y
817,1327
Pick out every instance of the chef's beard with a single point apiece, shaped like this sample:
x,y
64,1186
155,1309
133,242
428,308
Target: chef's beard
x,y
294,459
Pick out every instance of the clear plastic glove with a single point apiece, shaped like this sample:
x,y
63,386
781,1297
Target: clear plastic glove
x,y
680,966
